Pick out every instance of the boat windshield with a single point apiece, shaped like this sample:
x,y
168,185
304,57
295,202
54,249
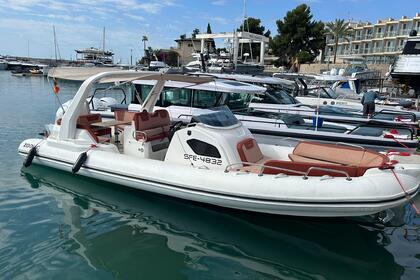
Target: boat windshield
x,y
274,96
217,117
412,47
323,92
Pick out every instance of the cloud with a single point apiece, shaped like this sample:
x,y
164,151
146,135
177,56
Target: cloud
x,y
98,6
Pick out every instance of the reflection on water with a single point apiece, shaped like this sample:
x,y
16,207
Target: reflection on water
x,y
133,234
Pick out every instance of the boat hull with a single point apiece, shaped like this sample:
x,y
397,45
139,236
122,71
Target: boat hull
x,y
290,195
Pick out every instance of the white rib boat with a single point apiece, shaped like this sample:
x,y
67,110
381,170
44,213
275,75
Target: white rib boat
x,y
217,161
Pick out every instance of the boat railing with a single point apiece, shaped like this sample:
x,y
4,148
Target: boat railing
x,y
289,138
350,145
186,117
305,175
348,178
379,124
410,115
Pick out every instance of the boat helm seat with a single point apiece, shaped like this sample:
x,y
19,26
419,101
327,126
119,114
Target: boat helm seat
x,y
123,115
151,126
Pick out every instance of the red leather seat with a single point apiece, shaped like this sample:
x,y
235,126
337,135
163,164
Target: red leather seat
x,y
151,126
85,121
353,161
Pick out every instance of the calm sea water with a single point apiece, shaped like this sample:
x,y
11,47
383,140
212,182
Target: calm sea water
x,y
57,226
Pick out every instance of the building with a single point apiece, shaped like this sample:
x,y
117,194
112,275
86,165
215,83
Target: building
x,y
187,46
378,43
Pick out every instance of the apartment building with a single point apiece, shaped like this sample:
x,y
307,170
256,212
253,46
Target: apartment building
x,y
378,43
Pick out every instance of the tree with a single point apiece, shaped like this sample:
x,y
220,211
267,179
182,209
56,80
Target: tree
x,y
144,39
195,32
338,29
299,37
253,25
212,42
170,57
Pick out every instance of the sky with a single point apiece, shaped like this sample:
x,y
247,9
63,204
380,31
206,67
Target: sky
x,y
79,23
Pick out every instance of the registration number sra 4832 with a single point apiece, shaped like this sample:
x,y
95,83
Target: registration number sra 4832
x,y
208,160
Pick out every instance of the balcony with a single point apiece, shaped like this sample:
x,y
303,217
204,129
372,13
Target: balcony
x,y
391,33
377,50
404,32
368,36
380,35
390,49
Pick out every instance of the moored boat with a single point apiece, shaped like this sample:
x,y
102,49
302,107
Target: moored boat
x,y
216,160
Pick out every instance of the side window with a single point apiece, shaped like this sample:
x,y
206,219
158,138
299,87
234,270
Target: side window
x,y
206,99
238,100
259,98
316,92
203,149
176,97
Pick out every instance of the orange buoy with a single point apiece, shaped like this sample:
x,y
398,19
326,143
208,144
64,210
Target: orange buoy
x,y
56,88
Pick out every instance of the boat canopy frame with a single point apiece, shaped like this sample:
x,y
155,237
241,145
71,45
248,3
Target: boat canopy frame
x,y
78,106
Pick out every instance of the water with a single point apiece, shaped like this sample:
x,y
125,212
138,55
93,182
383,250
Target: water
x,y
57,226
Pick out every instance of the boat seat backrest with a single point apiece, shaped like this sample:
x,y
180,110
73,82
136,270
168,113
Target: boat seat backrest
x,y
89,119
151,126
85,121
249,151
334,154
124,115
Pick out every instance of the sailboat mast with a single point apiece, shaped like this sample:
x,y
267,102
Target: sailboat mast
x,y
243,28
103,41
55,44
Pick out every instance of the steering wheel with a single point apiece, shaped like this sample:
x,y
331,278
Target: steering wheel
x,y
174,128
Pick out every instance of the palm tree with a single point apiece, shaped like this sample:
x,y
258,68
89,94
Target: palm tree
x,y
339,29
144,40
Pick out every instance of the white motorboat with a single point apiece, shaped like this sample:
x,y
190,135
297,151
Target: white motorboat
x,y
340,91
279,97
406,68
217,161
